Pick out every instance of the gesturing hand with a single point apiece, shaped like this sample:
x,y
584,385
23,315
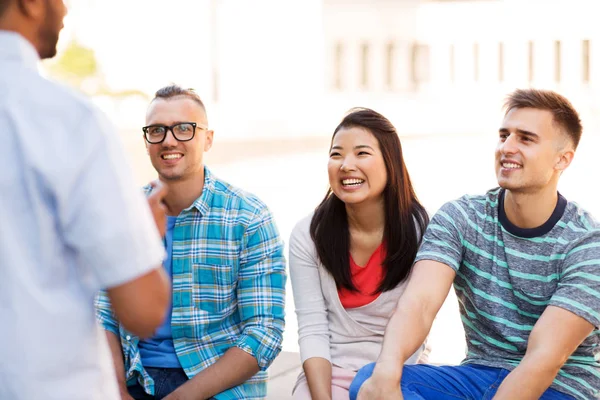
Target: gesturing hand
x,y
372,390
159,211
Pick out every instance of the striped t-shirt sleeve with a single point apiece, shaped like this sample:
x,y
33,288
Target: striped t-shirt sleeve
x,y
445,235
578,288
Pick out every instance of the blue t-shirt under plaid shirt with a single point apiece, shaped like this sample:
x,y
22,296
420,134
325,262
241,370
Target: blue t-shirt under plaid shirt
x,y
228,288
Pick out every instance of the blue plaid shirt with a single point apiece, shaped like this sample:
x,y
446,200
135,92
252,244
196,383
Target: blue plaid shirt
x,y
228,288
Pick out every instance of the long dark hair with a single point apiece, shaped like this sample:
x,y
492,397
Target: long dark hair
x,y
405,218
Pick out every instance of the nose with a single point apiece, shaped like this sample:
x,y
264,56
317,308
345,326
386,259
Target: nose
x,y
170,140
509,146
348,164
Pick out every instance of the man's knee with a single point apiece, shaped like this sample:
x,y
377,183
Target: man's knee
x,y
361,376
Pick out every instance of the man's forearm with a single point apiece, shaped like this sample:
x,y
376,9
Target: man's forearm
x,y
114,343
528,381
234,368
404,334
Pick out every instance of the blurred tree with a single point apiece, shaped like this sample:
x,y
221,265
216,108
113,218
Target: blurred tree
x,y
77,66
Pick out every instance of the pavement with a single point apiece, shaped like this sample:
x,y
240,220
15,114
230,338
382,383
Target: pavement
x,y
282,375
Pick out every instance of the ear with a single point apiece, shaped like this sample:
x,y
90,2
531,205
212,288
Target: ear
x,y
564,160
146,144
35,9
208,140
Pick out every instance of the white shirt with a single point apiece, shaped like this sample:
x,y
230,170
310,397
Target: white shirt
x,y
71,222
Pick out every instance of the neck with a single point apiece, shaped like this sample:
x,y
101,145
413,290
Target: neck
x,y
183,192
530,210
13,21
366,218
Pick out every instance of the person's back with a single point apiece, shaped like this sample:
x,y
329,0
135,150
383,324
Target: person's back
x,y
34,262
72,223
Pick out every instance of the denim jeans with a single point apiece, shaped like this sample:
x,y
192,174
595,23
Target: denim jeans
x,y
463,382
166,380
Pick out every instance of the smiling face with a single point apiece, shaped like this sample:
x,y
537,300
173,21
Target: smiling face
x,y
356,168
172,159
532,151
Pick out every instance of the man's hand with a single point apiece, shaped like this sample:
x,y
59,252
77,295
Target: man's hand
x,y
159,211
372,389
125,395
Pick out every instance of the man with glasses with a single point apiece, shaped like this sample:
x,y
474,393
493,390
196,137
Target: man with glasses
x,y
225,259
72,223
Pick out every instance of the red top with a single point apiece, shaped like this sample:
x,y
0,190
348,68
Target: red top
x,y
366,279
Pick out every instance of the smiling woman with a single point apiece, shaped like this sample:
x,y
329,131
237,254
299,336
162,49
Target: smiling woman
x,y
359,244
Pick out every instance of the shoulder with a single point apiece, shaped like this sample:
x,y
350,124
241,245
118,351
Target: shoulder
x,y
467,204
579,226
36,91
246,206
577,216
301,231
65,119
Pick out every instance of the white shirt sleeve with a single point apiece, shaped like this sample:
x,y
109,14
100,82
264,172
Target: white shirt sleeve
x,y
103,214
311,309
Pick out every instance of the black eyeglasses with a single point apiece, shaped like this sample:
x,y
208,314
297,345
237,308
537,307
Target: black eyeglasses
x,y
182,132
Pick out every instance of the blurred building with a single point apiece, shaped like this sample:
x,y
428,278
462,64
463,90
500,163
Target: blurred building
x,y
445,66
284,68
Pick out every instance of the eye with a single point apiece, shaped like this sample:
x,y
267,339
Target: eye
x,y
364,153
503,136
526,139
156,130
185,127
334,154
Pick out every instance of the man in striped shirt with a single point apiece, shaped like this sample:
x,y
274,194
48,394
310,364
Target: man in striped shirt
x,y
524,262
225,259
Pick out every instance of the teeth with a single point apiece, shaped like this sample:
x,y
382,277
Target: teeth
x,y
171,156
352,181
511,165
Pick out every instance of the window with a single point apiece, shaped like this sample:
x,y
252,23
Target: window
x,y
476,62
364,65
452,64
420,63
557,61
530,57
338,64
500,62
215,85
390,54
585,47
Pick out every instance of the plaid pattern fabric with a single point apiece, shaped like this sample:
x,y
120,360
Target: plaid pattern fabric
x,y
228,288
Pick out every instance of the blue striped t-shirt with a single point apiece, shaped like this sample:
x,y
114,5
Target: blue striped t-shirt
x,y
507,276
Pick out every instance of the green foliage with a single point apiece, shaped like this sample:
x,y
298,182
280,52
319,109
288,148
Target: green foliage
x,y
74,65
77,66
78,60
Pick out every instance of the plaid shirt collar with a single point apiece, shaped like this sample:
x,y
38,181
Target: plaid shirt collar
x,y
202,203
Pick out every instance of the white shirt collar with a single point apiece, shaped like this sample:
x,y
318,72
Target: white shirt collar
x,y
14,47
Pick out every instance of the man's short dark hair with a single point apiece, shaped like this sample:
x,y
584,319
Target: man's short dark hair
x,y
173,91
563,112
